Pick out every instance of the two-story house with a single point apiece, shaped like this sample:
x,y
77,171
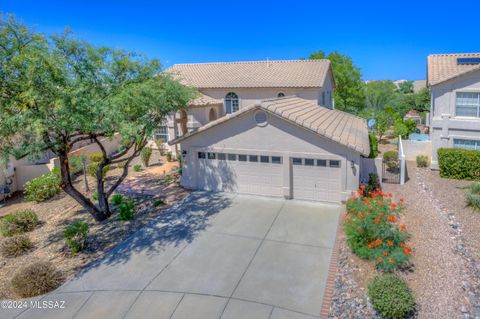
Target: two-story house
x,y
454,80
267,128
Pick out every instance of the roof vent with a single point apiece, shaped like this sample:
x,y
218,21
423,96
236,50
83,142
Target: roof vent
x,y
462,61
261,118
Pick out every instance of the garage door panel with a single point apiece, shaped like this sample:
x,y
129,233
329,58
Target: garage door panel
x,y
242,177
316,183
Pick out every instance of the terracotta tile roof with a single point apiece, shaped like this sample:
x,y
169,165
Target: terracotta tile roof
x,y
443,67
343,128
203,100
281,74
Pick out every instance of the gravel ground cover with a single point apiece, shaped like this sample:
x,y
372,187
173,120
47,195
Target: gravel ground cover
x,y
144,187
445,237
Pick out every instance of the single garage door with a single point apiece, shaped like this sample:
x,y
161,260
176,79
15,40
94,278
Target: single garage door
x,y
240,173
316,179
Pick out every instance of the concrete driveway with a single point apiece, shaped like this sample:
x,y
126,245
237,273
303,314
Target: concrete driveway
x,y
214,256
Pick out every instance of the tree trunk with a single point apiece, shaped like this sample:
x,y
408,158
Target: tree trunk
x,y
102,197
67,187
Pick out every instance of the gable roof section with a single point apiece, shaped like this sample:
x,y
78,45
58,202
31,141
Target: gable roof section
x,y
261,74
340,127
203,100
444,67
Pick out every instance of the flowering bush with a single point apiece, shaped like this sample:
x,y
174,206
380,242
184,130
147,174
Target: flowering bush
x,y
373,231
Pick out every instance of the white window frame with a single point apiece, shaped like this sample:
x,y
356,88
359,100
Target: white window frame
x,y
162,135
477,105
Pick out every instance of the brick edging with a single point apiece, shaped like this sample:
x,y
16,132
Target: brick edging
x,y
332,271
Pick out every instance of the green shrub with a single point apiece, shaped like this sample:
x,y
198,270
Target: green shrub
x,y
95,196
473,196
391,297
391,160
95,157
145,155
18,222
75,236
42,188
117,199
92,169
36,279
372,231
373,184
137,168
76,164
15,246
126,210
422,161
161,145
459,163
169,156
373,145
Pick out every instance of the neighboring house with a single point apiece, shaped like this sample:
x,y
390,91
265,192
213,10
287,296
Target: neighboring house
x,y
454,80
413,115
269,128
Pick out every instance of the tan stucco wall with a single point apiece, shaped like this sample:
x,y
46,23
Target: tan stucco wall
x,y
278,138
444,124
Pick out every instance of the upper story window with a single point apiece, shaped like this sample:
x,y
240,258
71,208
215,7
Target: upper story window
x,y
280,94
162,133
468,104
231,103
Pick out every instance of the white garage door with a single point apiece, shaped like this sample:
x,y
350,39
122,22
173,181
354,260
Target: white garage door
x,y
316,179
240,173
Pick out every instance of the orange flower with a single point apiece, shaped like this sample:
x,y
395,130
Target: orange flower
x,y
360,215
379,259
376,220
371,245
370,207
402,245
385,254
380,203
393,206
403,227
352,211
362,187
366,214
391,260
381,214
406,251
392,218
389,243
378,242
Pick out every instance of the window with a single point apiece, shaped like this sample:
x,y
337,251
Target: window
x,y
211,155
232,157
280,94
261,118
466,144
276,160
162,133
296,161
253,158
264,159
468,104
309,162
201,154
221,156
231,103
335,164
242,158
322,163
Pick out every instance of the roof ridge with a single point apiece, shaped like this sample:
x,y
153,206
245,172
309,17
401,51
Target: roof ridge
x,y
454,54
255,61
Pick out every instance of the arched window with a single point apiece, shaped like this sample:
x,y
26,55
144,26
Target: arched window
x,y
231,103
212,115
280,94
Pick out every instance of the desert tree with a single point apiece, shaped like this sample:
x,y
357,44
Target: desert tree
x,y
57,91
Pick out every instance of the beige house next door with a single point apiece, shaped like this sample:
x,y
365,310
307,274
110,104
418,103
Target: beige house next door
x,y
316,179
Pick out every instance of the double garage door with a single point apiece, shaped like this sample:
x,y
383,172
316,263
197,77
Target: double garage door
x,y
313,179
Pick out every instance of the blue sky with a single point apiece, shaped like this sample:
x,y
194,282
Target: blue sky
x,y
386,39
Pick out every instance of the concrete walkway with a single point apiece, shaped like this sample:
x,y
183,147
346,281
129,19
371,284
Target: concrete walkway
x,y
214,256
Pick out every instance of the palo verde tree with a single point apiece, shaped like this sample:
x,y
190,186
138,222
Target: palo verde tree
x,y
57,91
